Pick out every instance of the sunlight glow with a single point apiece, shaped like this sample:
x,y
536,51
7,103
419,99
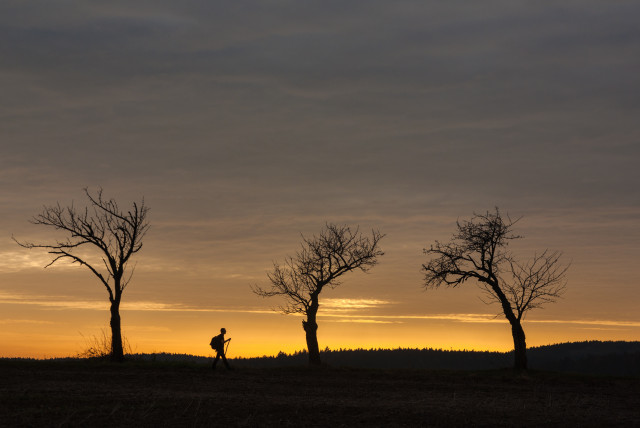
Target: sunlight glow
x,y
334,304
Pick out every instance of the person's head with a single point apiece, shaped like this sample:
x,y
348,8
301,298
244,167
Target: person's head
x,y
223,330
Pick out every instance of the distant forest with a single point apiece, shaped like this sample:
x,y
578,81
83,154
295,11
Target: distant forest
x,y
592,357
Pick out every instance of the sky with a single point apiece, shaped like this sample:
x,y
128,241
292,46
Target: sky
x,y
245,125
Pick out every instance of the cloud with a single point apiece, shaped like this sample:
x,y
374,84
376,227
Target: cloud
x,y
343,309
615,323
14,261
56,302
470,318
53,302
353,304
480,319
337,311
405,93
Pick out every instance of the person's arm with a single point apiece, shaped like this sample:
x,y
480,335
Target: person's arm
x,y
227,340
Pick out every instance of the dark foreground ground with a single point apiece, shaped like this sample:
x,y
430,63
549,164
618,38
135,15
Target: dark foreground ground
x,y
93,393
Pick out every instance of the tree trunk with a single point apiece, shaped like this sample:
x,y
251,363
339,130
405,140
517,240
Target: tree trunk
x,y
519,346
311,328
117,353
519,343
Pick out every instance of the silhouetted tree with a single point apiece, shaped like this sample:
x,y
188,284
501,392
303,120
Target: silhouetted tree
x,y
478,251
319,263
103,226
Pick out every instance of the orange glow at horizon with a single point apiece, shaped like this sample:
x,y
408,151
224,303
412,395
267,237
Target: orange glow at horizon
x,y
260,334
54,312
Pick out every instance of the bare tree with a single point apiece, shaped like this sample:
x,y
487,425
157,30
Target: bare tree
x,y
114,233
321,261
478,251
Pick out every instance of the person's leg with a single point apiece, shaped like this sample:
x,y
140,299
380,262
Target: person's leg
x,y
224,360
216,361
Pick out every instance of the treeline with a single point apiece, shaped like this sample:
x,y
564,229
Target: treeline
x,y
399,358
591,357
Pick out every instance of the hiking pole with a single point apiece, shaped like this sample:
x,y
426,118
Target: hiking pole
x,y
227,347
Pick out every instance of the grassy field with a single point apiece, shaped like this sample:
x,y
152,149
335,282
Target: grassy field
x,y
94,393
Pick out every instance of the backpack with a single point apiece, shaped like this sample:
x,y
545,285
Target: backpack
x,y
216,342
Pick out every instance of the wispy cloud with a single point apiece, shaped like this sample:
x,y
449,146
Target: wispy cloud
x,y
355,311
483,319
472,318
52,302
58,303
615,323
336,310
22,259
351,304
14,261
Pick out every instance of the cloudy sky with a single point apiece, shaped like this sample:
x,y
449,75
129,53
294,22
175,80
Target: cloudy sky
x,y
246,124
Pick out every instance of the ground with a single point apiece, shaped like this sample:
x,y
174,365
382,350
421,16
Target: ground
x,y
93,393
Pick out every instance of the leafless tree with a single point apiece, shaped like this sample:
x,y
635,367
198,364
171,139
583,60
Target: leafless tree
x,y
478,251
103,226
321,261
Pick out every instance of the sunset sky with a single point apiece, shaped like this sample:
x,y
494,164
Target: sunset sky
x,y
245,124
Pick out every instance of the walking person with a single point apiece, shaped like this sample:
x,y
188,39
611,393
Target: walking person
x,y
217,343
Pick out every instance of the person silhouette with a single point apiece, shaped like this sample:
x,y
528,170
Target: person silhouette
x,y
217,343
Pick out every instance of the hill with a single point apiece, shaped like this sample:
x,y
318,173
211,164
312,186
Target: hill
x,y
591,357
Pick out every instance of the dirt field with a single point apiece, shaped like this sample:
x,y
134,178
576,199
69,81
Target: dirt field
x,y
89,393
